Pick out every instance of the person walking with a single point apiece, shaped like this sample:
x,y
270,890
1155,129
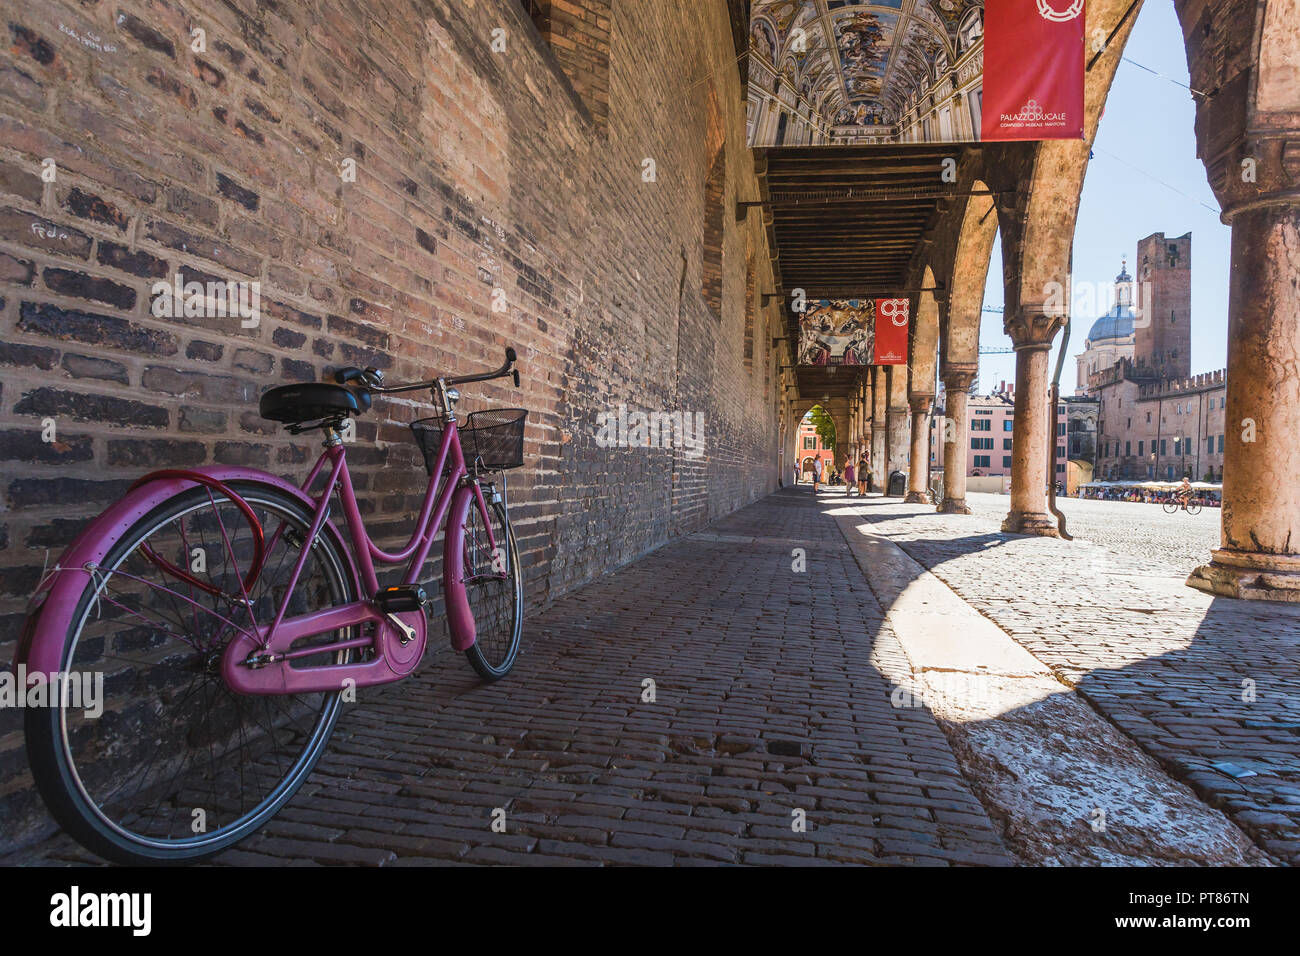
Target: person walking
x,y
864,476
817,473
848,478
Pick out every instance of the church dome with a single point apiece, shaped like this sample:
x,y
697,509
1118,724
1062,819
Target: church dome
x,y
1118,322
1115,324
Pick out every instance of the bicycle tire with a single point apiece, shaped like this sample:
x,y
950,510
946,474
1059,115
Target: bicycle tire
x,y
479,659
1171,507
57,778
1193,508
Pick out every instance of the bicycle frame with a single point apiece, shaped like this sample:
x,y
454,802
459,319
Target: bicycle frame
x,y
397,641
260,662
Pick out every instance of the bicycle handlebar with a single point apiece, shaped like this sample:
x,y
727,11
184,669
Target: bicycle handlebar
x,y
372,379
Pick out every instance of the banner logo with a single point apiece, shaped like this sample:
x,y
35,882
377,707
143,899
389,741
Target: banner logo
x,y
895,310
1048,12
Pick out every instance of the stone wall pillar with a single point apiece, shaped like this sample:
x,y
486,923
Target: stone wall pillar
x,y
899,420
1248,137
1260,538
955,434
879,426
918,472
1031,332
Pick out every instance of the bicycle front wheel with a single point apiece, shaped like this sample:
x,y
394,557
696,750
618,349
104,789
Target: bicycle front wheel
x,y
171,766
1193,507
495,589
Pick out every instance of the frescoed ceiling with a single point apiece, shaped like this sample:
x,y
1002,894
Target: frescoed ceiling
x,y
858,62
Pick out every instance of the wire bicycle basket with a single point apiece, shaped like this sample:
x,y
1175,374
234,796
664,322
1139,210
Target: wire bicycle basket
x,y
492,440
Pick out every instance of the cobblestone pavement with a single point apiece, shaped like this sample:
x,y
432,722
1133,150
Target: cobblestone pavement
x,y
1179,541
1195,680
772,696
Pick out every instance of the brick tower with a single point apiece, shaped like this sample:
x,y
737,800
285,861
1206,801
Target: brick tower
x,y
1163,329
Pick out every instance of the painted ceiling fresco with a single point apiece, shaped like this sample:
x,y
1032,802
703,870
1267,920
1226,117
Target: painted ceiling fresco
x,y
858,62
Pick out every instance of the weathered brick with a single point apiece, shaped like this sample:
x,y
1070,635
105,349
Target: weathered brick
x,y
19,182
95,208
88,366
232,190
83,286
149,453
94,329
31,446
17,271
201,420
40,233
136,262
15,353
151,38
81,407
204,351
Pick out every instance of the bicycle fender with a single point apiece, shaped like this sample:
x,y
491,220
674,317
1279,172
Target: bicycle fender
x,y
50,610
460,619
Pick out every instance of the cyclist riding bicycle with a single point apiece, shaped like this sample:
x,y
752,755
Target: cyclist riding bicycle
x,y
1184,492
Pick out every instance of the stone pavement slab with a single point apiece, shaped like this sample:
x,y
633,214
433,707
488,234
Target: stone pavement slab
x,y
1195,680
1068,787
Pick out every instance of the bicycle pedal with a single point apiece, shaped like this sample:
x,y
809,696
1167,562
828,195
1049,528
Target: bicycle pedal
x,y
403,597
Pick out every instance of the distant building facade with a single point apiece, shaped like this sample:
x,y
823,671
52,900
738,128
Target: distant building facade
x,y
989,425
811,447
1154,419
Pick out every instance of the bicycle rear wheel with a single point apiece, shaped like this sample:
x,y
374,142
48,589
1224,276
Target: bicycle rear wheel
x,y
494,587
1193,507
1170,507
178,767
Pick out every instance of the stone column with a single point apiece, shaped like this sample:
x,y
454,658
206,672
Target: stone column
x,y
918,471
879,425
899,420
1031,333
955,435
1260,552
1248,137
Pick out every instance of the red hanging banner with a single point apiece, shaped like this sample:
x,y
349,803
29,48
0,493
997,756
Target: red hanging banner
x,y
1033,70
891,332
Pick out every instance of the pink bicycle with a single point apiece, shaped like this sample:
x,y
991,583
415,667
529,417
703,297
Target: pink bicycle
x,y
229,620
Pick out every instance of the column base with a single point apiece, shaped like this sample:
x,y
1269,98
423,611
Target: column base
x,y
953,506
1029,522
1250,575
915,498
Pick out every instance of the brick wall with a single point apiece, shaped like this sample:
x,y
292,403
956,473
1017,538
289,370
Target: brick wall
x,y
476,170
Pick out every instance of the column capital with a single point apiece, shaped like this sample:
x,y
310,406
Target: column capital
x,y
1033,326
958,378
919,403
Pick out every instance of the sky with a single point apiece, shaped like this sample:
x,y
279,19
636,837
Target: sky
x,y
1144,178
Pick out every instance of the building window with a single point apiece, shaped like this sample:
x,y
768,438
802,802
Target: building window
x,y
981,461
1164,445
810,442
1006,444
1178,443
981,425
1006,461
1220,444
1139,449
982,443
1060,469
1060,428
1128,448
1008,425
1148,418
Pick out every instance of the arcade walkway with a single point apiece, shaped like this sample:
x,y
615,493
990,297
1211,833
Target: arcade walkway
x,y
776,691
